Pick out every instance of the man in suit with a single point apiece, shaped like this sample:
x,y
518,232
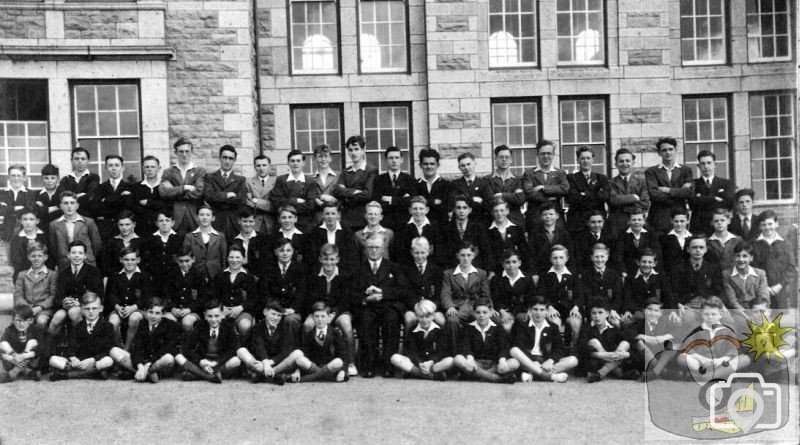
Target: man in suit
x,y
544,183
298,190
226,192
744,283
356,184
588,191
209,247
504,184
628,192
744,222
378,299
182,185
111,197
14,199
668,183
473,187
81,181
394,189
434,188
710,193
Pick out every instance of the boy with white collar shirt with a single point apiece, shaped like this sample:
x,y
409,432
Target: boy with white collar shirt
x,y
394,189
558,288
504,234
744,222
374,216
355,185
544,183
673,244
147,196
332,232
258,190
722,242
711,193
15,198
29,234
74,280
226,192
208,245
297,189
743,283
301,242
47,200
236,290
182,185
209,352
426,354
126,237
70,227
21,347
434,188
631,241
160,249
474,188
604,345
127,292
418,225
461,287
81,181
776,256
37,286
323,354
483,351
725,358
271,343
89,344
112,196
254,245
537,346
668,183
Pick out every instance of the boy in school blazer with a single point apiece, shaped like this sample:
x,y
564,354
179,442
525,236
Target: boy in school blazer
x,y
669,185
258,189
89,344
182,185
209,351
393,190
85,230
271,342
226,192
209,255
483,348
297,190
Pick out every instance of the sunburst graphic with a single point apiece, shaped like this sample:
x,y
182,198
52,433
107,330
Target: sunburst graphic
x,y
766,339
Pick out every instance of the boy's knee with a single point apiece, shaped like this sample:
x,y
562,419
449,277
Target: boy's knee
x,y
104,363
335,364
233,363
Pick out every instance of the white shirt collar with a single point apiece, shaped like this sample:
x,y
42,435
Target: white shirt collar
x,y
380,229
317,175
565,272
428,331
674,166
335,273
710,178
640,232
723,241
148,184
460,271
78,178
750,272
252,235
325,226
211,231
294,231
673,232
188,167
242,270
23,235
508,224
31,271
133,236
515,279
135,271
478,327
291,178
427,222
605,326
362,167
171,232
778,237
544,325
639,273
21,189
508,174
78,217
540,169
435,178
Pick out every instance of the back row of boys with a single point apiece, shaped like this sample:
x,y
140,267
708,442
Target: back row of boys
x,y
428,243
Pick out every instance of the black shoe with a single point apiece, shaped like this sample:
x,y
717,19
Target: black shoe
x,y
58,375
368,374
103,375
258,377
125,375
388,374
509,378
594,377
440,377
35,375
188,376
278,380
216,378
631,374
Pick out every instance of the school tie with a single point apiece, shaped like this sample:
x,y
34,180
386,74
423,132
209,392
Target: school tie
x,y
745,227
374,267
90,328
625,183
461,230
263,182
224,177
421,269
75,271
271,331
636,242
394,180
696,267
213,334
469,184
283,270
708,183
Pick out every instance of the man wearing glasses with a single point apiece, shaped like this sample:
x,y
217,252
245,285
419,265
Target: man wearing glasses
x,y
544,183
226,192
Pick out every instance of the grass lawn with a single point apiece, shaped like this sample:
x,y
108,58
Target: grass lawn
x,y
361,411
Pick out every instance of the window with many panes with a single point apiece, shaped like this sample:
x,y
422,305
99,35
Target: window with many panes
x,y
772,146
106,118
580,32
703,32
314,125
516,124
23,128
383,126
383,42
768,35
314,37
512,33
705,127
583,122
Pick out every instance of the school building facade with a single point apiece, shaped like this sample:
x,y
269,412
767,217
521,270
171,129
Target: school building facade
x,y
130,77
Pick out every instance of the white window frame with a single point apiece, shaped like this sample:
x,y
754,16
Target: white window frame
x,y
335,144
575,39
524,153
693,144
370,48
377,145
754,34
599,147
32,145
707,16
785,124
314,36
503,44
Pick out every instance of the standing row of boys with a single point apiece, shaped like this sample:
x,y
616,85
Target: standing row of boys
x,y
478,268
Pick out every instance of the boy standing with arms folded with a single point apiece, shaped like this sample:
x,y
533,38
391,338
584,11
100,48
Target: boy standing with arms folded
x,y
182,185
355,185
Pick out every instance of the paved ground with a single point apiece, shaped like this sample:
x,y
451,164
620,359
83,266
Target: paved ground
x,y
360,411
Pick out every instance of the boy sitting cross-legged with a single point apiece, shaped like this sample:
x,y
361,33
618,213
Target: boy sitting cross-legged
x,y
483,351
88,347
21,346
604,346
271,342
538,348
154,346
427,355
323,351
209,352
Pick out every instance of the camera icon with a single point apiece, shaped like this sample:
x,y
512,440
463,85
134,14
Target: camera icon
x,y
745,401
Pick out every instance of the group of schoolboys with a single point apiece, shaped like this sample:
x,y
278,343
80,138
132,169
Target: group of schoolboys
x,y
494,278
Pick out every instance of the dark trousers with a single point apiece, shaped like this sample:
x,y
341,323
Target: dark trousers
x,y
374,318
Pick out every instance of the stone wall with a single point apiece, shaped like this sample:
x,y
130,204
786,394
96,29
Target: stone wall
x,y
22,24
96,24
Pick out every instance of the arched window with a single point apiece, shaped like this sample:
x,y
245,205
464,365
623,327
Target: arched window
x,y
318,54
502,49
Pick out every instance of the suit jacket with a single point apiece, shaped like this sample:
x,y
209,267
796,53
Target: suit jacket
x,y
263,208
582,244
226,210
147,213
259,252
148,347
275,347
125,291
636,291
36,290
109,260
672,252
550,344
513,298
738,293
346,242
688,284
724,252
622,203
337,297
242,291
184,202
556,186
591,284
540,245
185,291
584,197
354,189
25,199
87,184
389,278
513,239
494,347
441,191
420,348
85,231
427,285
778,262
159,258
288,192
474,232
406,234
195,346
332,347
459,293
478,189
96,345
558,292
511,191
18,252
626,252
289,289
210,258
737,229
69,285
661,204
395,212
107,204
303,249
704,202
43,203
